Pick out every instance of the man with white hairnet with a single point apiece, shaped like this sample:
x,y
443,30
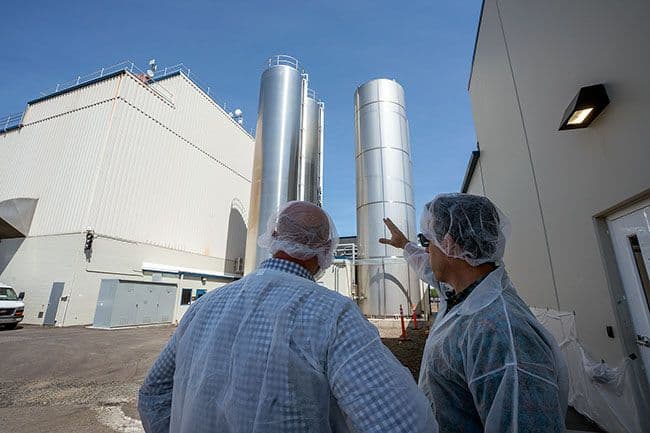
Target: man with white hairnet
x,y
488,364
276,352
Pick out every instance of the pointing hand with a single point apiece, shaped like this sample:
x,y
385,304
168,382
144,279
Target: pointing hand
x,y
398,240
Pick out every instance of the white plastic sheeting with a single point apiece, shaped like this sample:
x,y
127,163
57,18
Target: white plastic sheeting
x,y
602,392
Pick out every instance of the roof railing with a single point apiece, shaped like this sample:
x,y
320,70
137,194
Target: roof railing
x,y
14,120
122,66
10,121
283,60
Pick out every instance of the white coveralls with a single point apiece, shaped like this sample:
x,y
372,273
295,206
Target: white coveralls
x,y
276,352
488,364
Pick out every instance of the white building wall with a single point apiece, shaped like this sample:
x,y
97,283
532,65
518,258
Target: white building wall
x,y
54,161
528,66
505,165
33,264
67,102
160,180
118,157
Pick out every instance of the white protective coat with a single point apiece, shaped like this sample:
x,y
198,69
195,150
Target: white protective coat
x,y
276,352
488,364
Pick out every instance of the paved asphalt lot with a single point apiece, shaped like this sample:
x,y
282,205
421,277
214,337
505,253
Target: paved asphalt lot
x,y
78,380
74,380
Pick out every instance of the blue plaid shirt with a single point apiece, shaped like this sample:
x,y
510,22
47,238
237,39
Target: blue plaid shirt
x,y
287,266
276,352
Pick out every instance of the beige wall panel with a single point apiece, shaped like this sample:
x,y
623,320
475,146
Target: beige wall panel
x,y
505,165
555,49
55,161
197,119
33,264
178,196
115,166
233,145
70,101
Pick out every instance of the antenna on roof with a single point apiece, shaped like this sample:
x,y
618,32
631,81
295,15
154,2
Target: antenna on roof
x,y
152,68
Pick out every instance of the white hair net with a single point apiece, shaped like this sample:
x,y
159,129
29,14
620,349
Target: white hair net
x,y
302,230
467,227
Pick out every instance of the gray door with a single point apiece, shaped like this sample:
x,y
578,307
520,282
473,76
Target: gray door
x,y
53,304
166,304
125,306
147,304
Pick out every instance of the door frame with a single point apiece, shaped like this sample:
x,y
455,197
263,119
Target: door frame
x,y
622,314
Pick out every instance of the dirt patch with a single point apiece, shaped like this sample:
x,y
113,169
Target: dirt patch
x,y
409,352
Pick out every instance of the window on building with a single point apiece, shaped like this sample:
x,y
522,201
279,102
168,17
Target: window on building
x,y
200,292
640,266
186,297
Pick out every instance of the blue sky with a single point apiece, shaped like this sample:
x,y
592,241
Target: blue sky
x,y
425,45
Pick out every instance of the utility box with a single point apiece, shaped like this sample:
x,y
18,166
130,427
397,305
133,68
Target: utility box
x,y
132,303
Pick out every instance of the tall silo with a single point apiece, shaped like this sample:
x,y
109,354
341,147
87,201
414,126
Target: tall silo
x,y
384,189
277,141
309,185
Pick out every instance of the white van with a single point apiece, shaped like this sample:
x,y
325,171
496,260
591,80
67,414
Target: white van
x,y
12,307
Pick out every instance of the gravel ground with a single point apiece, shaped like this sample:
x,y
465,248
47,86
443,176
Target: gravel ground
x,y
78,380
74,379
408,352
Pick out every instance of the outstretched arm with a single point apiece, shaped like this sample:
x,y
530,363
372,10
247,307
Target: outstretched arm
x,y
417,257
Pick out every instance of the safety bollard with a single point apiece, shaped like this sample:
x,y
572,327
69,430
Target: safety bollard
x,y
402,337
415,318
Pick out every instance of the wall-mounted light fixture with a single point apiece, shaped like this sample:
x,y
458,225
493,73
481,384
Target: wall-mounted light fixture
x,y
585,107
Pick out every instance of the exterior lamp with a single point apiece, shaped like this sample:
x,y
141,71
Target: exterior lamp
x,y
585,107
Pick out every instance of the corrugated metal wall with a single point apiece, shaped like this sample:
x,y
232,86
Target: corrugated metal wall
x,y
54,161
116,156
78,99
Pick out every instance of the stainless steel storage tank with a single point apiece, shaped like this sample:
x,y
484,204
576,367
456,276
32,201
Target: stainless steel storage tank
x,y
277,138
384,189
310,149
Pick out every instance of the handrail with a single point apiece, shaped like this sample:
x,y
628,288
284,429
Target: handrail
x,y
122,66
283,60
10,121
13,120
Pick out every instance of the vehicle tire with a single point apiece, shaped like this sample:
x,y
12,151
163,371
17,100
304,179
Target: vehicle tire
x,y
11,325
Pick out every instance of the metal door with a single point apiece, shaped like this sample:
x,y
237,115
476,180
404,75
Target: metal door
x,y
166,304
147,303
53,304
125,306
630,234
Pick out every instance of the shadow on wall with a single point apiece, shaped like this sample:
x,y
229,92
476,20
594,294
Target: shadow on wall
x,y
236,242
8,249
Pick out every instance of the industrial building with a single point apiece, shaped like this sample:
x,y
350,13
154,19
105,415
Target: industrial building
x,y
123,197
574,182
